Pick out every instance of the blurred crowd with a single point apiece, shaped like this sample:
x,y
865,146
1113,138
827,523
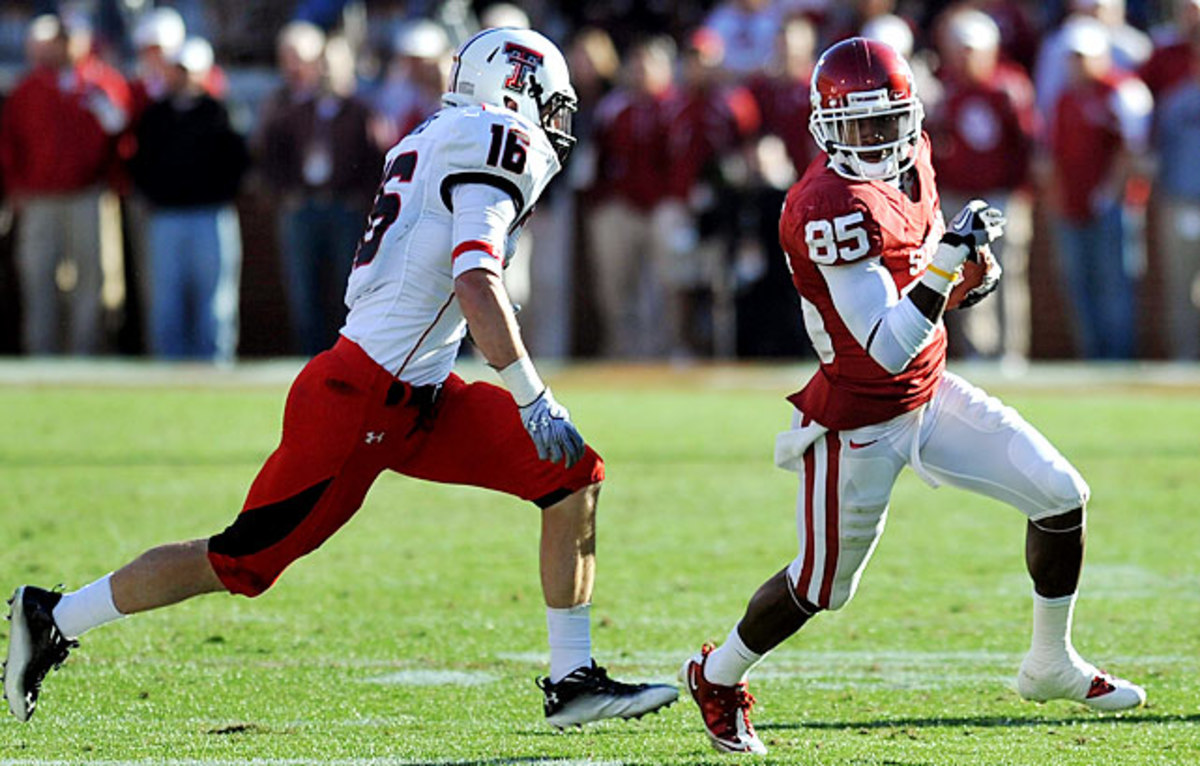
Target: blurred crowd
x,y
160,175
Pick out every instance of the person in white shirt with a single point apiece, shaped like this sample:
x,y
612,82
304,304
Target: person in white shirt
x,y
454,196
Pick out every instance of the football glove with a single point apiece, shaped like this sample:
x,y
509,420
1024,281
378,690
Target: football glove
x,y
976,225
549,425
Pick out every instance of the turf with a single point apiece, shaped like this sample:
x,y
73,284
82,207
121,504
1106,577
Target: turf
x,y
415,634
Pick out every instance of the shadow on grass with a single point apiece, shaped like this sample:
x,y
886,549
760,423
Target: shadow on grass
x,y
982,722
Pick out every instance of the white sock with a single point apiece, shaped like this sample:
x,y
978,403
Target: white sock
x,y
570,640
89,607
1052,628
731,662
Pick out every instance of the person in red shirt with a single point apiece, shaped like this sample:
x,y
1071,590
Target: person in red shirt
x,y
875,266
628,235
712,122
412,87
57,151
782,92
1100,130
1174,57
983,130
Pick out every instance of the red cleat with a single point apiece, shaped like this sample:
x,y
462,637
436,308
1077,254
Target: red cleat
x,y
726,709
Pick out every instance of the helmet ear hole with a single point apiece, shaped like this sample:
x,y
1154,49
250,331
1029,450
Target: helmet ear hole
x,y
510,103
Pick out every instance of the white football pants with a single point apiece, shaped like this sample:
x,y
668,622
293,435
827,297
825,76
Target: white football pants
x,y
962,437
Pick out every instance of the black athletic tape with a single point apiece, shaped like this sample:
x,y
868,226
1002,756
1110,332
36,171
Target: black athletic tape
x,y
475,177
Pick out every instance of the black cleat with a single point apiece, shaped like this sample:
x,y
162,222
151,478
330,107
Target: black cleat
x,y
35,647
588,694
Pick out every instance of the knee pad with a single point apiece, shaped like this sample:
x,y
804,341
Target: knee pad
x,y
1063,488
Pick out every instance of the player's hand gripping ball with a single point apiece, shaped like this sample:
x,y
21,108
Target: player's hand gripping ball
x,y
978,279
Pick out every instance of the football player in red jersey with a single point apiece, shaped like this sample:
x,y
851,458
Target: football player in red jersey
x,y
875,265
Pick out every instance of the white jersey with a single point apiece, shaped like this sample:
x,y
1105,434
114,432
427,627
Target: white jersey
x,y
401,290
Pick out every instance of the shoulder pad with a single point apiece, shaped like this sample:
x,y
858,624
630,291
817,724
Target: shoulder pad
x,y
496,147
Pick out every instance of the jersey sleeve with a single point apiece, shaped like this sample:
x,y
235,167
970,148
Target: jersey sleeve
x,y
482,219
498,149
829,224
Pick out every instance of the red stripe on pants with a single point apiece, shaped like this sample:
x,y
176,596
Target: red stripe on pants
x,y
806,571
833,448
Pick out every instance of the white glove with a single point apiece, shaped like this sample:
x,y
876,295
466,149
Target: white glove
x,y
976,225
548,422
549,425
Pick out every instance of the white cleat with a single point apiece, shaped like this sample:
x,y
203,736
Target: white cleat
x,y
587,694
1077,680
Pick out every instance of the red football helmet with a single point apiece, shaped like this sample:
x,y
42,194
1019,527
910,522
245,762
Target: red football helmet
x,y
865,111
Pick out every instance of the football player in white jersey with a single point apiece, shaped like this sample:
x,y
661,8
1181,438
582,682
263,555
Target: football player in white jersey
x,y
454,195
875,267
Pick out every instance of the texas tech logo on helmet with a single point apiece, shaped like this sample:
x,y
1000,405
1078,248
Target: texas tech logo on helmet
x,y
524,61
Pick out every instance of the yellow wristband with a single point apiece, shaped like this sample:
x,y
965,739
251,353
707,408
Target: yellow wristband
x,y
941,273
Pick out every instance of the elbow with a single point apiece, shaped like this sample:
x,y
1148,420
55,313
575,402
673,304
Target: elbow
x,y
469,285
888,352
474,289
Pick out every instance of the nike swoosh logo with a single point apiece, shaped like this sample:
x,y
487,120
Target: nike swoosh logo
x,y
860,445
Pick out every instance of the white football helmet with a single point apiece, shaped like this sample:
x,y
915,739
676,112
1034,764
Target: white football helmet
x,y
521,70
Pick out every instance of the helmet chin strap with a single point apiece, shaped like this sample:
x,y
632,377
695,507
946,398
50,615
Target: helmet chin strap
x,y
883,170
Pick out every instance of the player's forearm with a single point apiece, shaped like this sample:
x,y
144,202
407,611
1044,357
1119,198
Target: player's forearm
x,y
490,317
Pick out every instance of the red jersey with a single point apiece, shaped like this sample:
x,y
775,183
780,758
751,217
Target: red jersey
x,y
1085,142
706,124
51,139
984,132
829,220
1167,66
631,146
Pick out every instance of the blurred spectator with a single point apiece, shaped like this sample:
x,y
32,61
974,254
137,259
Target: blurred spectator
x,y
848,19
1019,33
768,312
1177,141
318,157
299,47
188,165
416,77
1129,48
898,33
548,319
747,30
503,15
782,93
1173,58
628,238
1100,131
158,36
982,133
57,149
711,123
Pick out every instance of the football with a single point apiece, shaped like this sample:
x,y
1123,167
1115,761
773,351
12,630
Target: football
x,y
970,278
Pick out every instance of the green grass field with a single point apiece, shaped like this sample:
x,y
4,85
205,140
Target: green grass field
x,y
415,634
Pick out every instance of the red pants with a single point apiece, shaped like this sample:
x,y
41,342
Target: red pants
x,y
347,420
